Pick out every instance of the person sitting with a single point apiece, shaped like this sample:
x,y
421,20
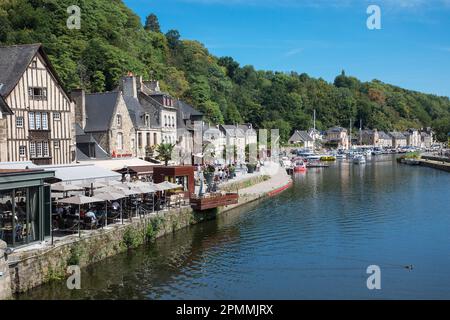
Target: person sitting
x,y
115,206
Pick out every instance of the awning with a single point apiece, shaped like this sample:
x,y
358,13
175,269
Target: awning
x,y
118,164
82,173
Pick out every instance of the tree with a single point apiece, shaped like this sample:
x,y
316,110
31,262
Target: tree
x,y
173,39
152,23
164,151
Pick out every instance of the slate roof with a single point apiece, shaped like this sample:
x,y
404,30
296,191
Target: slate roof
x,y
397,135
14,60
337,129
383,135
83,139
4,108
99,110
300,136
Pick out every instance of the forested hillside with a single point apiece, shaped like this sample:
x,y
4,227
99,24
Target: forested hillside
x,y
113,41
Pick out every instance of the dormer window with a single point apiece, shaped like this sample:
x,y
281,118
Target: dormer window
x,y
147,120
35,93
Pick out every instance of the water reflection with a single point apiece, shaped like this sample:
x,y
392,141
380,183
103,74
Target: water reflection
x,y
313,241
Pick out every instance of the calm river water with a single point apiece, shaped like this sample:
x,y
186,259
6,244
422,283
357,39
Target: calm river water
x,y
313,241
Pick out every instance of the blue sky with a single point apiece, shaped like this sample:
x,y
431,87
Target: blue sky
x,y
321,37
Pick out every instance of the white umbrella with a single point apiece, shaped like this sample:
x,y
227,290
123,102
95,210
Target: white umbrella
x,y
166,185
79,200
94,185
127,192
62,187
110,196
113,183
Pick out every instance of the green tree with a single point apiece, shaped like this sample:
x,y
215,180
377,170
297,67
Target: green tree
x,y
152,23
164,151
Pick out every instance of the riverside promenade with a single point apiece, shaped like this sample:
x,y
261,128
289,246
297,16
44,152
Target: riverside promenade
x,y
273,180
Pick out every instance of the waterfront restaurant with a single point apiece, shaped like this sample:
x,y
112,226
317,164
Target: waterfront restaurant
x,y
182,175
25,206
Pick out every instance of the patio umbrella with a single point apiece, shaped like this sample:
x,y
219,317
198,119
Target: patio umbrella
x,y
79,200
113,183
166,185
110,196
127,191
94,185
62,187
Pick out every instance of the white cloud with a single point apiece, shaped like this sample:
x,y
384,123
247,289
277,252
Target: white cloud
x,y
293,52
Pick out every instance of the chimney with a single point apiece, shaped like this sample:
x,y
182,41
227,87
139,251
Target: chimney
x,y
129,86
79,97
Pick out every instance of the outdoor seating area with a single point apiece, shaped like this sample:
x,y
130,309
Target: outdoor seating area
x,y
92,205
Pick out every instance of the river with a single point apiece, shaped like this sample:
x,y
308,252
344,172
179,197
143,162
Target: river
x,y
314,241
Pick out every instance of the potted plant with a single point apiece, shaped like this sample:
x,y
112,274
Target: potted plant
x,y
232,170
251,167
209,174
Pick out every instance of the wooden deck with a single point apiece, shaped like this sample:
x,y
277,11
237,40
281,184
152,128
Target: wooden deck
x,y
214,201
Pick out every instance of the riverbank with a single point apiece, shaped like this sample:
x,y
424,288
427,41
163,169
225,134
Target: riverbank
x,y
436,164
34,265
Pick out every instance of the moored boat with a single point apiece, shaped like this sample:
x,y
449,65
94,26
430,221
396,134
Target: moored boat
x,y
359,159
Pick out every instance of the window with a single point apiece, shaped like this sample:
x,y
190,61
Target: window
x,y
22,151
56,144
45,149
147,120
148,139
35,93
39,149
31,120
19,122
119,141
165,121
139,140
33,149
56,116
44,121
173,122
34,64
38,120
155,140
119,121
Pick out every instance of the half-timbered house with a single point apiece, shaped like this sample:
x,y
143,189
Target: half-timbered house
x,y
41,128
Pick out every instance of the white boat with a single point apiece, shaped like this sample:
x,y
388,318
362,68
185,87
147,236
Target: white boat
x,y
359,159
313,157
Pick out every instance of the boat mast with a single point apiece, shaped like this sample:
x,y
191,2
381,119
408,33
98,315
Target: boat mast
x,y
350,136
360,131
314,132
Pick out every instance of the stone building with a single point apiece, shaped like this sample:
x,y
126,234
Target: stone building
x,y
338,137
413,138
41,126
105,117
303,138
145,116
398,139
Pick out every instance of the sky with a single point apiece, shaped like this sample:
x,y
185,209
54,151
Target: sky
x,y
320,37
